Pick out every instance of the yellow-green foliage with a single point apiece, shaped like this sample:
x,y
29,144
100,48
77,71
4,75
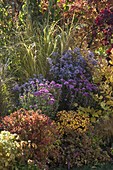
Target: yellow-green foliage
x,y
105,81
104,129
79,144
72,120
9,150
93,114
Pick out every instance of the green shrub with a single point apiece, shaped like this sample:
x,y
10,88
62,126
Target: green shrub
x,y
9,150
6,82
104,130
105,82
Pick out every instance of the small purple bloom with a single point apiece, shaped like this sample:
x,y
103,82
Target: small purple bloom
x,y
94,62
31,107
52,83
85,94
83,89
62,80
44,90
16,88
54,54
50,60
35,105
37,93
37,81
51,101
32,82
76,50
76,71
58,85
71,86
41,84
90,54
66,83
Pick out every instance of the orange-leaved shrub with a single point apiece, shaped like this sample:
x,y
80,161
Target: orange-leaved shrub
x,y
38,130
79,143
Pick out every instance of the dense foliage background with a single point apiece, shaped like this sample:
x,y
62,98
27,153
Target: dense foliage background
x,y
56,84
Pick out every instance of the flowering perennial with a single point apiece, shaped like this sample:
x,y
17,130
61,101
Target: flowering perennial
x,y
40,94
73,71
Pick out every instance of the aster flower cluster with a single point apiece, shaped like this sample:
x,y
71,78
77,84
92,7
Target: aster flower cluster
x,y
73,72
40,94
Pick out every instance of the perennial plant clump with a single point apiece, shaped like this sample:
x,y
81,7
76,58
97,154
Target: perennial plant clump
x,y
9,150
74,73
63,117
38,133
40,94
79,143
102,29
104,23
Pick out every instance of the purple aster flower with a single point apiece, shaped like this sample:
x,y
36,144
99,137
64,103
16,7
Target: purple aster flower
x,y
62,80
44,90
41,84
94,62
37,81
51,101
71,86
52,83
86,94
83,89
32,82
76,71
66,83
90,54
31,107
55,54
16,88
76,50
50,60
35,105
58,85
37,93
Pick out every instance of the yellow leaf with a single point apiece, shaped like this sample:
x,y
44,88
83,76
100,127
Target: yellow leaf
x,y
110,102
